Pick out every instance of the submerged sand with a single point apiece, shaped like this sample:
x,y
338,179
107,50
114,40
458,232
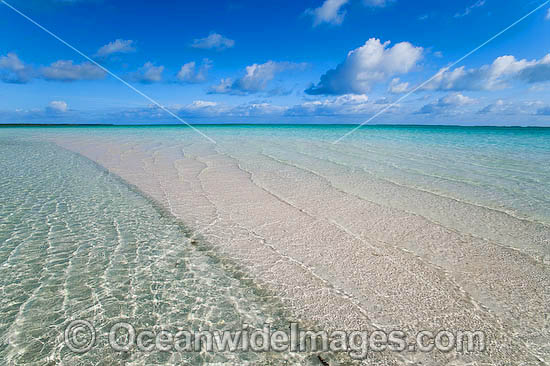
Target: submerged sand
x,y
344,249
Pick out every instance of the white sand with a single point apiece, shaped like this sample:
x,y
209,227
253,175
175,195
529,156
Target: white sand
x,y
318,237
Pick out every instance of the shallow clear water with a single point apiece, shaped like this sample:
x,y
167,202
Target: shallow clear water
x,y
501,168
77,243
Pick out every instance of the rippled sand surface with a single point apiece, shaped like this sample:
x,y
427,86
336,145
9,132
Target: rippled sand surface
x,y
77,243
394,228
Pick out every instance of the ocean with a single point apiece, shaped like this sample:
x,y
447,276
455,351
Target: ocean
x,y
98,223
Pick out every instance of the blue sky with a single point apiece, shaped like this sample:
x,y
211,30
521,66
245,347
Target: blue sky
x,y
311,61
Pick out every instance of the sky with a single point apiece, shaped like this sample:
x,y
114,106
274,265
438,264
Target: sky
x,y
249,61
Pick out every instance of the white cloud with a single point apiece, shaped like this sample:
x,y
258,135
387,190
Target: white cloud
x,y
189,73
536,71
58,106
11,62
377,3
499,107
148,73
351,99
511,108
492,77
330,12
398,87
213,41
256,78
548,15
203,108
68,71
224,87
468,10
258,109
446,104
344,105
367,65
455,99
13,70
349,104
197,104
117,46
55,111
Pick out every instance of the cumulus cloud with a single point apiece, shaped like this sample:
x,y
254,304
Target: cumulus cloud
x,y
204,108
498,105
213,41
190,73
13,70
363,67
446,104
330,12
198,104
536,71
344,105
256,109
398,87
509,108
117,46
492,77
469,9
255,80
56,111
224,87
57,106
11,62
68,71
148,73
349,104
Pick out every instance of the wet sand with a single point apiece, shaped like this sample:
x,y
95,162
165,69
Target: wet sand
x,y
344,249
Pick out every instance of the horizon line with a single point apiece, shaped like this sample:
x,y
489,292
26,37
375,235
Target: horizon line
x,y
257,124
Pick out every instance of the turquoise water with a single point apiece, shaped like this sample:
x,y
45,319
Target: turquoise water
x,y
502,168
77,243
